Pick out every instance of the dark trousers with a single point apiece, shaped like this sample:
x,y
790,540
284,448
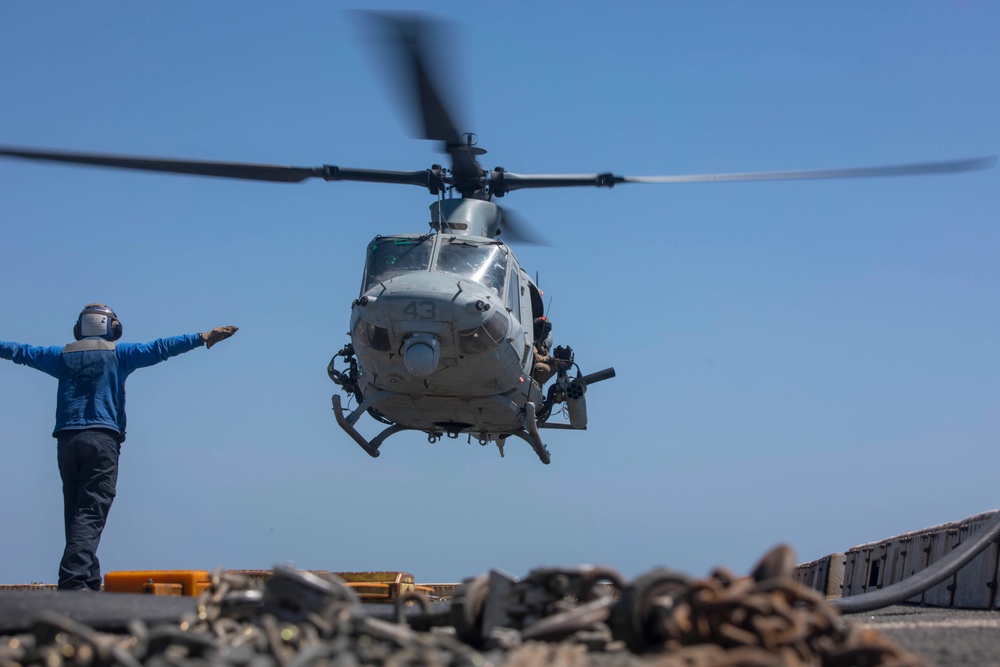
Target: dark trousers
x,y
88,465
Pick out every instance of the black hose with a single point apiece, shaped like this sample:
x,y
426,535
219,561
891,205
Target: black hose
x,y
926,578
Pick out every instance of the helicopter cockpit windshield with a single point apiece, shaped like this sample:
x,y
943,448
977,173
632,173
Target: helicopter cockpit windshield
x,y
389,256
484,263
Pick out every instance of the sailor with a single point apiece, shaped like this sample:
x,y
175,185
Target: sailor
x,y
90,422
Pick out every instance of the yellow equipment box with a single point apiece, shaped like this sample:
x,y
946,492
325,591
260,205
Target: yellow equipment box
x,y
375,587
158,582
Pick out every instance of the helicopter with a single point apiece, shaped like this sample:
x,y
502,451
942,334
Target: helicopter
x,y
449,335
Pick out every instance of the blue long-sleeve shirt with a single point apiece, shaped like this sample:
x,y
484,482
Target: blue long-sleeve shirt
x,y
92,374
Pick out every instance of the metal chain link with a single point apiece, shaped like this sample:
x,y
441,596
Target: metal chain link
x,y
724,620
552,617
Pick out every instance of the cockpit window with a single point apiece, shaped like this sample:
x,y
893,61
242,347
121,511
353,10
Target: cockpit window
x,y
484,263
389,256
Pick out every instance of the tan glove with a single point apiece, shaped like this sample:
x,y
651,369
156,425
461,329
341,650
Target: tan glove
x,y
218,333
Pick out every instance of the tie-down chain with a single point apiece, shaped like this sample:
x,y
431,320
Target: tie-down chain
x,y
567,616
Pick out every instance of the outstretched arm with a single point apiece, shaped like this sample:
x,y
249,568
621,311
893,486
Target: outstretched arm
x,y
45,359
141,355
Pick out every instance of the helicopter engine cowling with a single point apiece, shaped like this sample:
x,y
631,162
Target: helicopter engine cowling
x,y
466,217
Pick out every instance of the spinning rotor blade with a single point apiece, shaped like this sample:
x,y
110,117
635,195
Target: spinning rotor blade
x,y
409,34
508,181
254,172
514,227
241,170
413,36
500,182
917,169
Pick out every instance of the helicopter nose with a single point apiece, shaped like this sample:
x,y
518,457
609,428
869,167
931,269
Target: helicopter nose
x,y
421,354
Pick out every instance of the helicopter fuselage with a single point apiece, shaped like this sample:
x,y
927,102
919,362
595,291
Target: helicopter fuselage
x,y
443,339
442,331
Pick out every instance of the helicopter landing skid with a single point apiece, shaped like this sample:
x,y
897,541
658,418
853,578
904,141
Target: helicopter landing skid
x,y
347,423
529,432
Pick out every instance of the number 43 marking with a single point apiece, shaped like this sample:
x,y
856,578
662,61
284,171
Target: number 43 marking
x,y
421,310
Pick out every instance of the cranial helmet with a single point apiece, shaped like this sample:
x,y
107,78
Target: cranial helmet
x,y
97,320
542,327
543,331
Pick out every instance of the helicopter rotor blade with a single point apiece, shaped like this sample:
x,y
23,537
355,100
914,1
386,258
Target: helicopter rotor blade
x,y
248,171
240,170
502,182
510,181
515,227
411,36
916,169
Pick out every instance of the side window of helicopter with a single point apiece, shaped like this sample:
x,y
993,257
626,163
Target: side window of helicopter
x,y
514,293
484,263
390,256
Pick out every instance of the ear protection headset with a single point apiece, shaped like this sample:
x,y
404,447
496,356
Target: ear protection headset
x,y
97,320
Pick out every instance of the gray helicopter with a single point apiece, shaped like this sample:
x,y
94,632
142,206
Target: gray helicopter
x,y
449,335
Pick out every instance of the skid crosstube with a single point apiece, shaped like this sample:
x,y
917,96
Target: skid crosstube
x,y
529,432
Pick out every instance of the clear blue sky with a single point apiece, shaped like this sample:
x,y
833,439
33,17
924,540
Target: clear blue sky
x,y
814,363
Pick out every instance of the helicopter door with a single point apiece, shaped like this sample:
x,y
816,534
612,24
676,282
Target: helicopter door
x,y
514,291
520,305
515,287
